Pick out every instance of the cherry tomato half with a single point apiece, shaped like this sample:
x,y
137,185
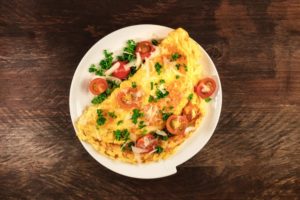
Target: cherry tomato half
x,y
122,72
144,48
176,124
98,86
205,87
147,142
129,98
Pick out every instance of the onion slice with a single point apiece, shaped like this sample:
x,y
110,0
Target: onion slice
x,y
112,69
137,150
160,132
189,129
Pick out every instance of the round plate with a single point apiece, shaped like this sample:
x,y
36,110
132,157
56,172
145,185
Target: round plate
x,y
80,98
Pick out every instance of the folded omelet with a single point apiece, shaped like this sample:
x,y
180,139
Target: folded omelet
x,y
163,84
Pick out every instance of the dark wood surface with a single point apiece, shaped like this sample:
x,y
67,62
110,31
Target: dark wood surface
x,y
254,152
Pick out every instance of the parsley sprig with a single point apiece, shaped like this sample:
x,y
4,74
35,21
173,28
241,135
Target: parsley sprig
x,y
101,119
128,52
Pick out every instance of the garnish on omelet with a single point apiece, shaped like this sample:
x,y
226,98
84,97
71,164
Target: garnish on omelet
x,y
148,101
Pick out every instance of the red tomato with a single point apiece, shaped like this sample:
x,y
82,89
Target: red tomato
x,y
129,98
176,124
98,86
144,48
206,87
122,72
147,142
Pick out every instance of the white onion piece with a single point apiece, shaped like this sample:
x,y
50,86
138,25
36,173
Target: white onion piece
x,y
160,132
205,88
112,69
138,61
138,150
153,151
189,129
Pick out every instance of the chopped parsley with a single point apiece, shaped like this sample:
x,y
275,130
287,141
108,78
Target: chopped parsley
x,y
120,122
101,119
177,76
132,71
159,149
154,42
161,81
99,99
133,84
151,99
104,64
121,134
158,68
144,132
190,97
136,114
177,66
166,115
208,99
175,56
112,114
141,124
128,52
127,146
185,68
151,85
161,93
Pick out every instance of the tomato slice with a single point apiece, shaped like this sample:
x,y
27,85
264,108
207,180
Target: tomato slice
x,y
176,124
129,98
147,142
192,112
98,86
122,72
144,48
205,87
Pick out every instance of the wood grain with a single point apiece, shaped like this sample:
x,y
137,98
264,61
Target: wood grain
x,y
254,152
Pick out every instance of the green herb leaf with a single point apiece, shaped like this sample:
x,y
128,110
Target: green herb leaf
x,y
136,114
133,84
112,114
185,68
127,146
159,149
144,132
177,76
208,99
121,134
161,94
177,66
133,70
120,122
101,119
161,81
175,56
151,99
128,52
158,68
154,42
190,97
141,124
166,115
151,85
106,63
99,99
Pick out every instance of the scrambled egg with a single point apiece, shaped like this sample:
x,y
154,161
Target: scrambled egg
x,y
179,78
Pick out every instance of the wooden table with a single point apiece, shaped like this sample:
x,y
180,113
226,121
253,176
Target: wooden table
x,y
254,152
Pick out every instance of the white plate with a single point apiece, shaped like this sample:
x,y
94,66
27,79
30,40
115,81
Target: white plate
x,y
80,98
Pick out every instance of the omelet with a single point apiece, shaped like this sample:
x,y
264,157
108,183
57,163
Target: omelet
x,y
143,104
